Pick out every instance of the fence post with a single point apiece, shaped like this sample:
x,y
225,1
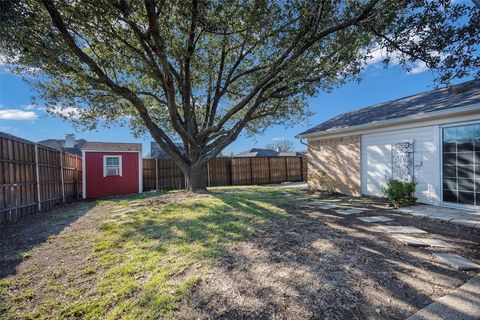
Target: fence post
x,y
37,174
251,172
75,179
15,191
269,170
230,170
208,174
62,177
156,174
286,168
301,168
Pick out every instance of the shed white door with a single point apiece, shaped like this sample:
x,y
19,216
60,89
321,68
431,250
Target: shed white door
x,y
376,160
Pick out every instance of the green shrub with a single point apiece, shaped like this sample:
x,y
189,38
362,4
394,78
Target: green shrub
x,y
400,193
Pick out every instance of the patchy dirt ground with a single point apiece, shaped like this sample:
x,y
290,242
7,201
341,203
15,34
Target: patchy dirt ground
x,y
321,265
308,264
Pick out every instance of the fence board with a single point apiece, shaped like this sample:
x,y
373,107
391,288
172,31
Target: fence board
x,y
225,171
149,169
220,172
21,163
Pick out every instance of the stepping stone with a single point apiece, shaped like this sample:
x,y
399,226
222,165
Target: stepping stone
x,y
344,212
329,206
410,241
438,243
349,211
420,242
355,210
316,201
375,219
401,229
463,303
456,261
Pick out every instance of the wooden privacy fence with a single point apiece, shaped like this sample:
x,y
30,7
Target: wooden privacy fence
x,y
225,171
35,178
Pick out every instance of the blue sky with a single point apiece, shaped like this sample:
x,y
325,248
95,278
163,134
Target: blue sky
x,y
378,85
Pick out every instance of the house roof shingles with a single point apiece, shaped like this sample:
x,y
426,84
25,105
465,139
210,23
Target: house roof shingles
x,y
111,146
59,144
461,95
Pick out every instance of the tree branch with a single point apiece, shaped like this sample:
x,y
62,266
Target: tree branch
x,y
126,93
154,31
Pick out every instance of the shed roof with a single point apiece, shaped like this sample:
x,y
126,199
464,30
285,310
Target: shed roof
x,y
460,95
111,146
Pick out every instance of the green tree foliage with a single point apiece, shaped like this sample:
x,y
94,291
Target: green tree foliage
x,y
204,71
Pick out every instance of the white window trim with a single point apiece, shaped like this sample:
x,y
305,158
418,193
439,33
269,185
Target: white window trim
x,y
440,155
105,164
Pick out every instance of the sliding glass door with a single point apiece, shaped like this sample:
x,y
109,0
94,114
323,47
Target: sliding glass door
x,y
461,164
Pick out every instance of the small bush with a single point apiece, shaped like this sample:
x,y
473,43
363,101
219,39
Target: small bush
x,y
400,193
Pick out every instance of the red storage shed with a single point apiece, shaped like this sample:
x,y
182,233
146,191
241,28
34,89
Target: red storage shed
x,y
111,169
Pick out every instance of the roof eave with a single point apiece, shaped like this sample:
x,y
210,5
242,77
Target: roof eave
x,y
394,122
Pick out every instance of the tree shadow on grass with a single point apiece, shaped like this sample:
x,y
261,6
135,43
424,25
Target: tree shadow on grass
x,y
322,265
17,239
233,218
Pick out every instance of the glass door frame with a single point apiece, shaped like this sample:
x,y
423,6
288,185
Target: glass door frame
x,y
440,156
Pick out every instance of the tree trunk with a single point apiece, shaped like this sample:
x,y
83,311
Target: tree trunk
x,y
196,179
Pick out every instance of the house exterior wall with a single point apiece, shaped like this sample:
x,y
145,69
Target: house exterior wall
x,y
98,186
334,164
377,160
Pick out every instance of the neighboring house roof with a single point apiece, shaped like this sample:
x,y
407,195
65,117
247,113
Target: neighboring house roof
x,y
157,152
257,152
111,146
461,95
59,144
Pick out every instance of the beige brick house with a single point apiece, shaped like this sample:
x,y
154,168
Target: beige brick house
x,y
432,138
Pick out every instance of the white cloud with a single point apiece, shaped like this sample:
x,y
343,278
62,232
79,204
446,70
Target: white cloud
x,y
66,112
277,138
17,114
3,60
32,107
419,67
378,55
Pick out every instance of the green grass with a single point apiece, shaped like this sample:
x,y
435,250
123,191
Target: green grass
x,y
146,259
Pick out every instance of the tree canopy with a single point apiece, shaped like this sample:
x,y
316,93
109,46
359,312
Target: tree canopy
x,y
203,71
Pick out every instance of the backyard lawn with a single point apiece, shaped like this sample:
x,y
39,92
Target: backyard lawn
x,y
238,252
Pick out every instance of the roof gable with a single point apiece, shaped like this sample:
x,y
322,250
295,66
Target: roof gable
x,y
461,95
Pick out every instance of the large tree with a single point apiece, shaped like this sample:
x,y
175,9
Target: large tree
x,y
203,71
281,145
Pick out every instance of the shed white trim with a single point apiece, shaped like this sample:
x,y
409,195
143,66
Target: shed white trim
x,y
84,176
140,173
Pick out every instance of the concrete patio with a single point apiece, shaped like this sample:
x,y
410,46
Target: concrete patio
x,y
458,216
